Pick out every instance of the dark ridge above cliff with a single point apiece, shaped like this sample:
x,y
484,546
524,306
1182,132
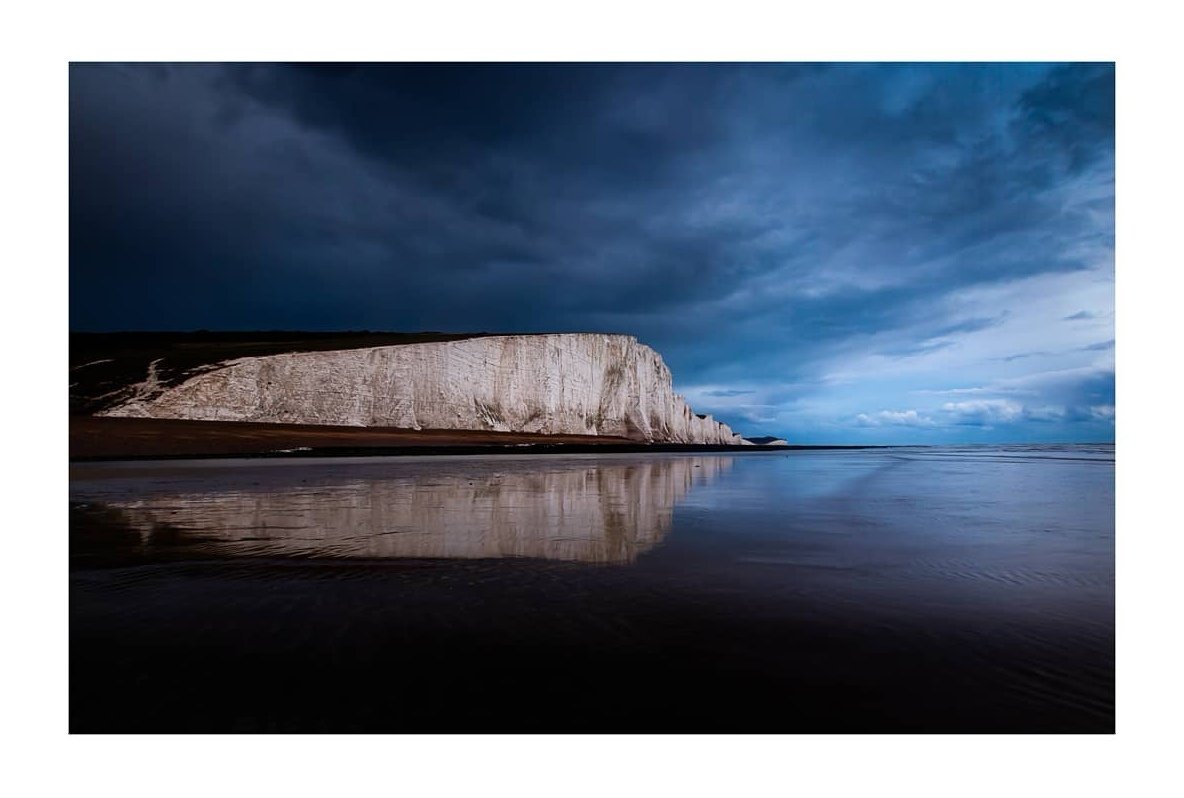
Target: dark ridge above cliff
x,y
103,365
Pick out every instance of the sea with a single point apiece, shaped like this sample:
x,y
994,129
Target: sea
x,y
880,590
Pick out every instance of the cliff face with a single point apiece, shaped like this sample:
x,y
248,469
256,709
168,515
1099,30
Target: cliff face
x,y
583,384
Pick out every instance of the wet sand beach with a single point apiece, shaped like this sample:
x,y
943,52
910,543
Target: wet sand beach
x,y
103,438
96,438
892,590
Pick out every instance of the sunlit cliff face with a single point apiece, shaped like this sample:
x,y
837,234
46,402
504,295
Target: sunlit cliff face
x,y
581,384
576,510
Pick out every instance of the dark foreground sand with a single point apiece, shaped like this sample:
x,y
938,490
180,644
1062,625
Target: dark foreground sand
x,y
517,646
95,438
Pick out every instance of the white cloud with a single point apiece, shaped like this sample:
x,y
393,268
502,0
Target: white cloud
x,y
985,411
1036,308
894,418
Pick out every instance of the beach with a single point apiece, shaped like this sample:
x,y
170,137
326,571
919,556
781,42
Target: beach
x,y
908,589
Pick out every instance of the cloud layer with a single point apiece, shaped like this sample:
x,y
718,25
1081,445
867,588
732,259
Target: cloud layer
x,y
881,253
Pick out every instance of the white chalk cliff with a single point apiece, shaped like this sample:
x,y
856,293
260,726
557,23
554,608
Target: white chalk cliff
x,y
581,384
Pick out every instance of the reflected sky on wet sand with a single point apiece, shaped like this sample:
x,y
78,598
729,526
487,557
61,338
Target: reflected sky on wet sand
x,y
899,589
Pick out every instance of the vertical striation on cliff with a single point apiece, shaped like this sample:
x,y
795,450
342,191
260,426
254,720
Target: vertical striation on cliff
x,y
579,383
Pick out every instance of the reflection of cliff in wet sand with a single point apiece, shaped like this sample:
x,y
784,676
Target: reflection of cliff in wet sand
x,y
576,510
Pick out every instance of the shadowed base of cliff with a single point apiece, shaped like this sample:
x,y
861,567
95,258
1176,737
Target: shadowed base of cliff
x,y
103,438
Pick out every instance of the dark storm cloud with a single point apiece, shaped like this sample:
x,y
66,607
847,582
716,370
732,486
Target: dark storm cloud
x,y
757,224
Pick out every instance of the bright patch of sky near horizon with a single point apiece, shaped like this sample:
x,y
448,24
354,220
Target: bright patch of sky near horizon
x,y
830,253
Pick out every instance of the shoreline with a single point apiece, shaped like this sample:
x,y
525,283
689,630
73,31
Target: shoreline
x,y
102,439
467,451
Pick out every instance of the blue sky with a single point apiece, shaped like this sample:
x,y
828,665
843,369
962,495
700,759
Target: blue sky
x,y
844,253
